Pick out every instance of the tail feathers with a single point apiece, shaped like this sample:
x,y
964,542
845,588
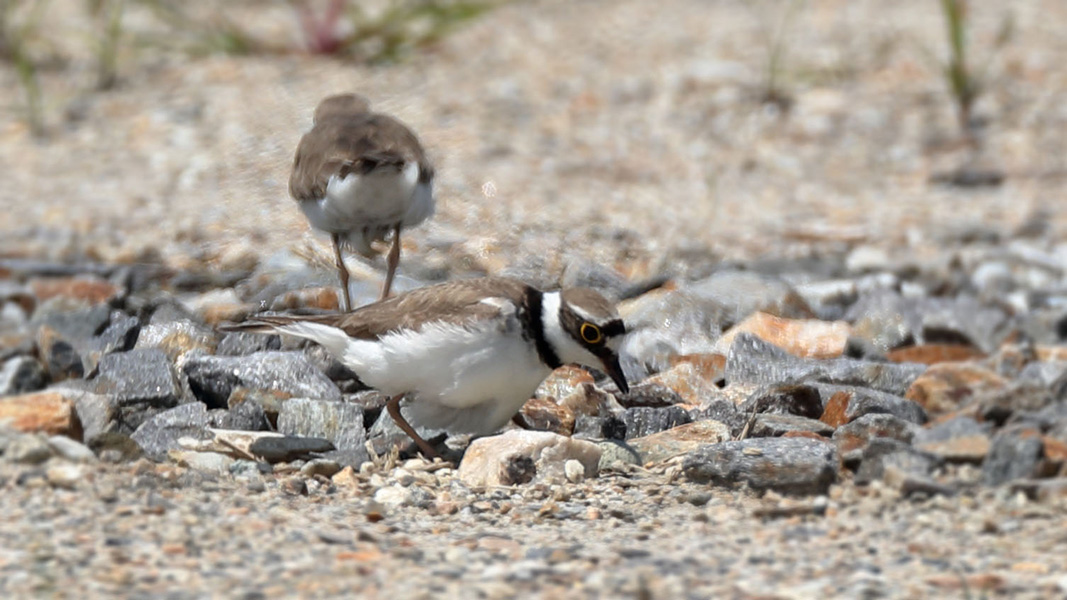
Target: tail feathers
x,y
330,337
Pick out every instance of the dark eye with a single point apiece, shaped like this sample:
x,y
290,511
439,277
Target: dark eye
x,y
591,333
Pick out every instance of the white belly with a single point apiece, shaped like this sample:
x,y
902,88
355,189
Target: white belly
x,y
461,380
366,207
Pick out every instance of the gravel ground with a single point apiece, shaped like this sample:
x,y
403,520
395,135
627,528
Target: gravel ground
x,y
151,531
623,133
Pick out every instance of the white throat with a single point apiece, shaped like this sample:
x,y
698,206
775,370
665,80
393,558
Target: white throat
x,y
567,349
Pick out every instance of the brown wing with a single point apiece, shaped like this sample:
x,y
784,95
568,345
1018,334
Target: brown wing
x,y
454,302
352,143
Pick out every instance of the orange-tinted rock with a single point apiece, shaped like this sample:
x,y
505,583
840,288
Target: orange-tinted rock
x,y
324,298
93,290
806,338
967,448
45,412
945,387
544,414
178,338
931,354
680,440
1051,353
710,367
1055,450
563,381
693,377
518,457
569,392
834,414
804,434
214,314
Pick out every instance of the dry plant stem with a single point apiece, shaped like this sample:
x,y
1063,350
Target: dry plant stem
x,y
748,425
964,85
107,54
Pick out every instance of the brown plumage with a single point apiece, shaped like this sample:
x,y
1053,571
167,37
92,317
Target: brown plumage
x,y
469,353
454,303
345,138
359,176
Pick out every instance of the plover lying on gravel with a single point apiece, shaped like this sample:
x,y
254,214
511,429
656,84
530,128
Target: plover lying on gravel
x,y
360,176
467,354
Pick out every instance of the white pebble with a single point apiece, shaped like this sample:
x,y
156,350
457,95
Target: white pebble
x,y
574,471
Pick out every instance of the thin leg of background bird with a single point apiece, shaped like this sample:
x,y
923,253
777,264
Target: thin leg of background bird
x,y
391,262
347,306
393,406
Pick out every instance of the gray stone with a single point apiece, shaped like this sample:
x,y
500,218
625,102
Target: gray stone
x,y
277,448
853,437
64,475
339,422
664,324
960,439
169,311
243,343
641,421
962,320
119,336
954,428
785,465
246,416
723,411
681,440
517,457
752,360
583,272
179,339
141,381
211,463
745,292
885,319
21,374
774,425
14,331
99,414
213,378
882,453
911,483
609,427
160,434
648,394
1012,456
62,360
801,400
71,450
1020,397
75,324
8,434
321,467
616,452
28,449
114,447
1053,420
866,402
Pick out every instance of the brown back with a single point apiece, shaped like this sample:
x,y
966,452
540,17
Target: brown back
x,y
341,143
454,302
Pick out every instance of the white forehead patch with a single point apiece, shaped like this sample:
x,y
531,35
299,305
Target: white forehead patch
x,y
581,313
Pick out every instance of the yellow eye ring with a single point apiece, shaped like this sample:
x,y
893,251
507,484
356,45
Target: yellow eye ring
x,y
591,333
